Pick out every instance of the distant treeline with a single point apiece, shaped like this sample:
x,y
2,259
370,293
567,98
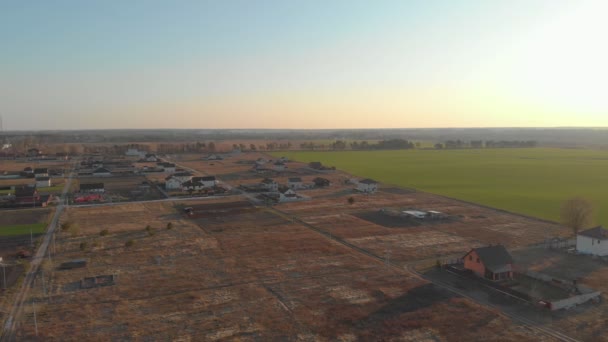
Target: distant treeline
x,y
403,144
451,144
391,144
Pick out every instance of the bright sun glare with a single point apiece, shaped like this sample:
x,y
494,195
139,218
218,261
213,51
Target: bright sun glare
x,y
564,63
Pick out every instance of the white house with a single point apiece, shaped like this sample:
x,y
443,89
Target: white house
x,y
367,185
279,166
102,172
294,183
43,182
287,195
208,181
133,152
261,161
270,185
176,180
199,183
168,167
41,172
92,188
151,157
172,183
593,241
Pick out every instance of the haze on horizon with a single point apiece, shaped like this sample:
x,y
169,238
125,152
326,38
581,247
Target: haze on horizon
x,y
303,64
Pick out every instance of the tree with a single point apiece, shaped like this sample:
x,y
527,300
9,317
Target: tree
x,y
351,200
169,225
577,213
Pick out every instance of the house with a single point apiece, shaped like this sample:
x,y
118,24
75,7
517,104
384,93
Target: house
x,y
261,161
172,183
199,183
41,172
279,166
176,180
43,182
213,157
208,181
167,167
28,170
286,195
294,183
367,186
321,182
283,159
33,152
315,165
593,241
133,152
151,157
182,176
270,185
92,188
102,172
26,194
491,262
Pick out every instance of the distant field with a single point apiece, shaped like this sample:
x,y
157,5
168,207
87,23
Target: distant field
x,y
529,181
22,229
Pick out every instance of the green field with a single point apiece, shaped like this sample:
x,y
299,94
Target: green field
x,y
22,229
528,181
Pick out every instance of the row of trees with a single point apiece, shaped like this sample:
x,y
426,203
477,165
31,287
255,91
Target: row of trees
x,y
455,144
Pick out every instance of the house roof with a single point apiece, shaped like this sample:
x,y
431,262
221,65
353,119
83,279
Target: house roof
x,y
279,163
182,174
27,169
295,179
41,170
207,178
24,191
598,232
368,181
102,170
268,181
495,257
90,186
42,179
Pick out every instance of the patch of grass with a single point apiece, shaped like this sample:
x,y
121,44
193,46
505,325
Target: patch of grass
x,y
533,181
23,229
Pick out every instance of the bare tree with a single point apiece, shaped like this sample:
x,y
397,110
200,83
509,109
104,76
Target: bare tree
x,y
577,213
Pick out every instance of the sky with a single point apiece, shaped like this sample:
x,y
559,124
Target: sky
x,y
302,64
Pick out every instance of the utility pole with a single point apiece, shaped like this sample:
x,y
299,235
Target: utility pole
x,y
35,321
3,273
31,238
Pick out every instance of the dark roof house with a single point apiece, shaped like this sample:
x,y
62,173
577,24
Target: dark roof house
x,y
598,232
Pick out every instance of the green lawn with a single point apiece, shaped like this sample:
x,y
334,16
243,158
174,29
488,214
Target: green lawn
x,y
23,229
529,181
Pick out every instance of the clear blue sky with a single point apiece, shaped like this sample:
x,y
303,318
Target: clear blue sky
x,y
302,64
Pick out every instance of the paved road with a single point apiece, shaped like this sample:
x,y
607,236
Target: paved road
x,y
16,310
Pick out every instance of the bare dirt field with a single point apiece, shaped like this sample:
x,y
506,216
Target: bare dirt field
x,y
237,275
475,226
130,188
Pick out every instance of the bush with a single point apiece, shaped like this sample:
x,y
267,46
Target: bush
x,y
129,243
104,232
150,230
351,200
65,226
83,246
169,225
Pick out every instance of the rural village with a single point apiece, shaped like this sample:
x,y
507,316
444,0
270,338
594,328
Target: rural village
x,y
254,246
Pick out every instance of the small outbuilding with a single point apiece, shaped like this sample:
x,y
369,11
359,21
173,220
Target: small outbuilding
x,y
43,182
102,172
367,185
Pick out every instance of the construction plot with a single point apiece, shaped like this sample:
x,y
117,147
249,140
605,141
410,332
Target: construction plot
x,y
236,275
